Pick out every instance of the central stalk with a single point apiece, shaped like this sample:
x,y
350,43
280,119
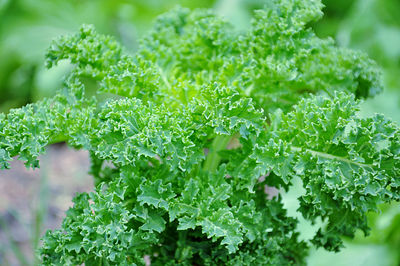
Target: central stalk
x,y
213,159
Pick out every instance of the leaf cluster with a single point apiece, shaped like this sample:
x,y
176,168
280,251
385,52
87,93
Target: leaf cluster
x,y
197,125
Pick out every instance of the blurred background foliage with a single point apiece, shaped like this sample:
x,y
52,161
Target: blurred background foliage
x,y
28,26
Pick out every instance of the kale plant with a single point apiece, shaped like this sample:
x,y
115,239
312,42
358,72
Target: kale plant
x,y
196,125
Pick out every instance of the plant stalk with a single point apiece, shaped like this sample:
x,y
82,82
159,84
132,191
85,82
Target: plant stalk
x,y
213,159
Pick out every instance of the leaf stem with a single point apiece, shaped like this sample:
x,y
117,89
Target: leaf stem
x,y
213,159
164,77
331,157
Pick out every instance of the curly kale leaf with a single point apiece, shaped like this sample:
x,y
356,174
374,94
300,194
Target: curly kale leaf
x,y
277,61
133,216
348,164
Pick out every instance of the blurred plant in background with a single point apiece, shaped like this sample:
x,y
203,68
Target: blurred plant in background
x,y
372,26
28,26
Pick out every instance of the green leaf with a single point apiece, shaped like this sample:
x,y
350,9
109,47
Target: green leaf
x,y
155,194
348,164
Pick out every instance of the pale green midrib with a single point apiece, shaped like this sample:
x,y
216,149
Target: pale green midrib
x,y
213,159
331,157
164,77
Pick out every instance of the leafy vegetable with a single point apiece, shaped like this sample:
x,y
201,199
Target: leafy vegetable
x,y
197,124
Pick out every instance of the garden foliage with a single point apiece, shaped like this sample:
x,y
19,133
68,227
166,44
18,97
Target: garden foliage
x,y
196,125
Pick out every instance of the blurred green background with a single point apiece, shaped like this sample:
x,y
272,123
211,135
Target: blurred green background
x,y
28,26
